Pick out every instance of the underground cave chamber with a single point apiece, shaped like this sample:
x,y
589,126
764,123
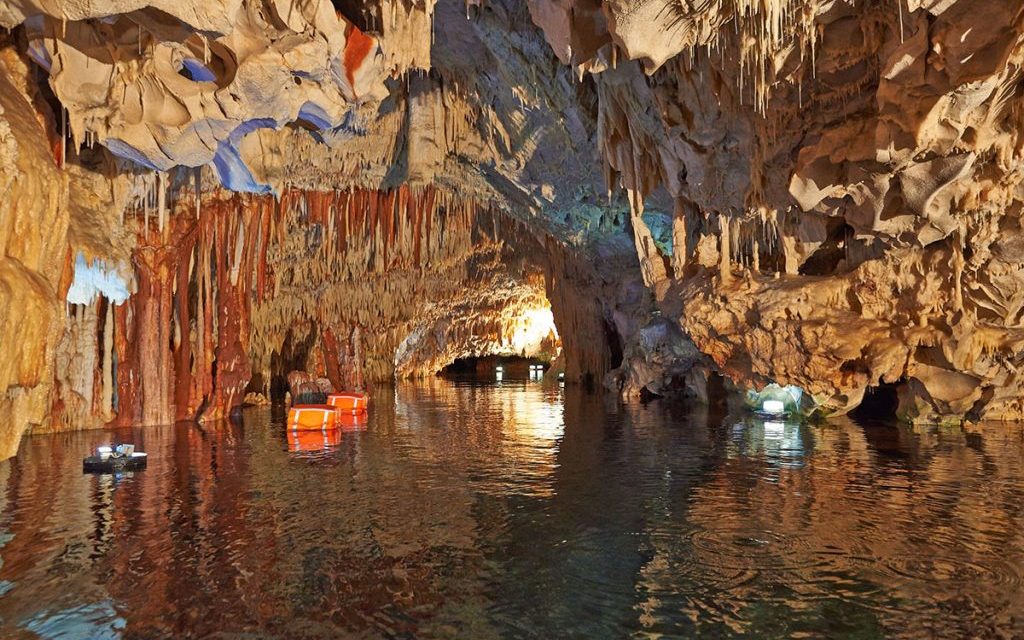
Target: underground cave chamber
x,y
682,319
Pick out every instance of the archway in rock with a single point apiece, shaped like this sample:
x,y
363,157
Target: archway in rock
x,y
498,368
359,287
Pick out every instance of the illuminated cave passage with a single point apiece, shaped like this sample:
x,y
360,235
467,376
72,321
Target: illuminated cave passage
x,y
768,255
491,367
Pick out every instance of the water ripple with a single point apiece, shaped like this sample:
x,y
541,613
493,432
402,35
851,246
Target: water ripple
x,y
521,510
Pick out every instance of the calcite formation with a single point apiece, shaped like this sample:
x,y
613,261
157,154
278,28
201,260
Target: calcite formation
x,y
33,238
202,197
847,184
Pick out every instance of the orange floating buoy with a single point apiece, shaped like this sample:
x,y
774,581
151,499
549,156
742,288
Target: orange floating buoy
x,y
313,439
312,416
350,401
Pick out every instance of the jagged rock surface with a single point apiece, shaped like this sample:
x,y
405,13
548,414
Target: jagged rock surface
x,y
33,231
847,181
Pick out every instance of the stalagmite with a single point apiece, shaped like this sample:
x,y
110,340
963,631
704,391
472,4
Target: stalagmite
x,y
107,402
724,251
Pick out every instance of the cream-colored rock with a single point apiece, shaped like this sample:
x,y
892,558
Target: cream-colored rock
x,y
33,249
861,168
166,94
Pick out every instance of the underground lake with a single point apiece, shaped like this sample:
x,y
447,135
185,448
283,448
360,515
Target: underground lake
x,y
518,509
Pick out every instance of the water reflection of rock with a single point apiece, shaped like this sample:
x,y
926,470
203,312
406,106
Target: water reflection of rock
x,y
146,535
585,546
470,512
857,536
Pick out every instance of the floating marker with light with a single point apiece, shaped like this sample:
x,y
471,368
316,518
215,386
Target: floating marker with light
x,y
775,400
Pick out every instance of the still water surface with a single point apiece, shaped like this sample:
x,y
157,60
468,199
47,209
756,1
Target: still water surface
x,y
519,510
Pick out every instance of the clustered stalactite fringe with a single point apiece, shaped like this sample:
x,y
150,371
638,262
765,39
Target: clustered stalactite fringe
x,y
845,182
396,266
182,338
227,303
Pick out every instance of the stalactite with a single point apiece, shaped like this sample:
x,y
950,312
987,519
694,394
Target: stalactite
x,y
197,175
63,136
958,272
161,195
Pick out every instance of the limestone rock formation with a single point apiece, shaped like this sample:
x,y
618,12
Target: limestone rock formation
x,y
201,197
33,236
860,166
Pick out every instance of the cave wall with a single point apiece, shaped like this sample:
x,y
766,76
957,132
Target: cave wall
x,y
360,211
357,286
823,194
33,250
847,185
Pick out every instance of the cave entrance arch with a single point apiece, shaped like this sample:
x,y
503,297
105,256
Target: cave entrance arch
x,y
880,404
489,367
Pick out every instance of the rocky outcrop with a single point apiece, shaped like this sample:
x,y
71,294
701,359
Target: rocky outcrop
x,y
847,178
186,88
